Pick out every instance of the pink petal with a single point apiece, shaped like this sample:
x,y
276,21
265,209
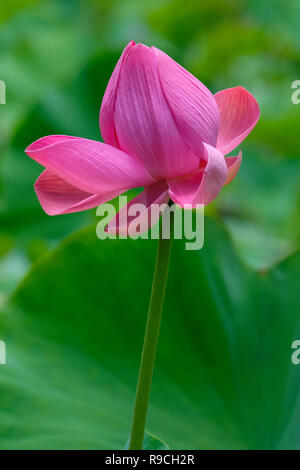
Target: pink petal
x,y
233,166
239,112
125,222
202,186
91,166
58,197
49,140
193,106
107,125
144,123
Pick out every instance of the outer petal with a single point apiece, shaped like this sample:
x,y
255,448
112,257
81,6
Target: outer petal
x,y
155,194
107,125
239,112
91,166
193,106
144,123
49,140
58,197
203,185
233,166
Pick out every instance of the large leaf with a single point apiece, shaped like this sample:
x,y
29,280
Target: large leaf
x,y
150,443
223,379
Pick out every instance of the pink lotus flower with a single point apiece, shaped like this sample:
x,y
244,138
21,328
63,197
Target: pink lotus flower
x,y
163,130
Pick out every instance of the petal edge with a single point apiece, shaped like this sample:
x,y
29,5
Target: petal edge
x,y
58,197
239,113
233,166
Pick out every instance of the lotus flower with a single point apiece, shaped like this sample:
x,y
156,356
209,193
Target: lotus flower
x,y
163,130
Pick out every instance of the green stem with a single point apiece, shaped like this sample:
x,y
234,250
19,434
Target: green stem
x,y
151,339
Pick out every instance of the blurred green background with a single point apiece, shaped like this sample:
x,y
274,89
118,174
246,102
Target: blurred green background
x,y
72,349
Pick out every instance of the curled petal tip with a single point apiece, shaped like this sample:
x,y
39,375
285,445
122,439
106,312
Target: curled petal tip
x,y
202,186
233,166
43,142
239,113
